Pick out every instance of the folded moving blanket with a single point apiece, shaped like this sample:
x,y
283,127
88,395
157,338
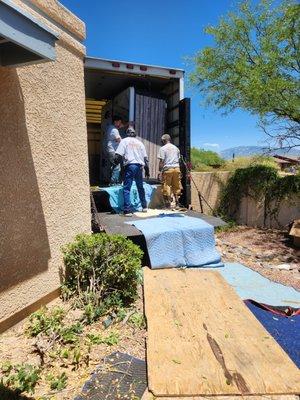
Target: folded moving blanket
x,y
116,197
177,240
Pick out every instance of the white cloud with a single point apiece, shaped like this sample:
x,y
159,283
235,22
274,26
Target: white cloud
x,y
211,144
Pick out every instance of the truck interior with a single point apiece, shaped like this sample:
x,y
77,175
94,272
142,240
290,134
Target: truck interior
x,y
146,97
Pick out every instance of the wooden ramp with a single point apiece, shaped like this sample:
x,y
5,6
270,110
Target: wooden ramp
x,y
149,396
203,340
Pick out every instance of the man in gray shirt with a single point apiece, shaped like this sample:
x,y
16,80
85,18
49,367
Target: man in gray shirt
x,y
112,140
169,156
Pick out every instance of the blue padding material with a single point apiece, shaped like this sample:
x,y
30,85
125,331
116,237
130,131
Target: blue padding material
x,y
116,198
285,330
251,285
176,240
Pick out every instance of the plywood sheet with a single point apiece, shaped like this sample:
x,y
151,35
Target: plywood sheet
x,y
202,340
149,396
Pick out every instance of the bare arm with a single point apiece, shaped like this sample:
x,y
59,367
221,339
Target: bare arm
x,y
161,165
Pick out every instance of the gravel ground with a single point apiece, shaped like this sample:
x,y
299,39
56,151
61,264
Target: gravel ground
x,y
269,252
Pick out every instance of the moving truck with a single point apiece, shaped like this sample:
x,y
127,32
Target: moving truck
x,y
150,98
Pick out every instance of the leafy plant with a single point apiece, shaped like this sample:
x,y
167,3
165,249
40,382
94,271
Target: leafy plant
x,y
102,273
110,340
261,183
57,382
45,321
21,378
70,334
50,324
137,320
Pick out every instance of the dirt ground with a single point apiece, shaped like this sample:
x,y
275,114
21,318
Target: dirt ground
x,y
17,348
265,251
269,252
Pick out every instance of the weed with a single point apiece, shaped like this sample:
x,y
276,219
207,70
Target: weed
x,y
110,340
21,378
137,320
45,321
77,355
70,334
57,382
230,226
121,314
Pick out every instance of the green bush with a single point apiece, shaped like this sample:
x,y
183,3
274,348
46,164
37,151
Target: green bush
x,y
245,162
208,158
261,183
102,272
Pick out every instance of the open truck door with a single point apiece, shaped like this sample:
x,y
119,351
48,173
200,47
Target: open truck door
x,y
185,147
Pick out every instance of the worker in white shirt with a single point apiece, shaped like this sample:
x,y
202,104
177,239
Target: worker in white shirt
x,y
112,140
135,159
169,156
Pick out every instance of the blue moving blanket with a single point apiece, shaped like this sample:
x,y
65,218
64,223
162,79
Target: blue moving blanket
x,y
179,241
116,198
251,285
285,330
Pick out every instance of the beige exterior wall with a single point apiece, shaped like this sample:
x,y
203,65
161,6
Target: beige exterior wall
x,y
209,184
43,167
251,213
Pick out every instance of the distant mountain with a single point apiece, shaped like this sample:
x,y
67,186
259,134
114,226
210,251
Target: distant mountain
x,y
246,151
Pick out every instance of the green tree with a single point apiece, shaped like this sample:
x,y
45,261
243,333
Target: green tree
x,y
254,65
208,158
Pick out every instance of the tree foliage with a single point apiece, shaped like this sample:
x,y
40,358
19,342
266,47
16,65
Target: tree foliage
x,y
208,158
254,65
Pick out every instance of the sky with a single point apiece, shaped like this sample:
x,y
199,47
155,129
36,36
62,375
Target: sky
x,y
166,33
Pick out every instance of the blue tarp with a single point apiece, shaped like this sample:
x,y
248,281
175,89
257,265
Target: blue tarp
x,y
176,240
251,285
285,330
116,198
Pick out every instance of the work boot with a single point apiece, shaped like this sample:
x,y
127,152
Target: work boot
x,y
128,214
167,202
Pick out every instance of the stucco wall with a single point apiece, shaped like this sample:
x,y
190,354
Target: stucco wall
x,y
209,185
251,213
43,171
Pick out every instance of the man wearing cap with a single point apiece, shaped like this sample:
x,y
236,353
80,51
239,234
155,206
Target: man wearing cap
x,y
169,156
112,139
135,159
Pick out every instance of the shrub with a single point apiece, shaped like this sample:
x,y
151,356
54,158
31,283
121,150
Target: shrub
x,y
201,157
102,272
261,183
252,181
245,162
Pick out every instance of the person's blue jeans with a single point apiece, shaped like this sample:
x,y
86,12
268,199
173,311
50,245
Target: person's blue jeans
x,y
133,172
115,170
